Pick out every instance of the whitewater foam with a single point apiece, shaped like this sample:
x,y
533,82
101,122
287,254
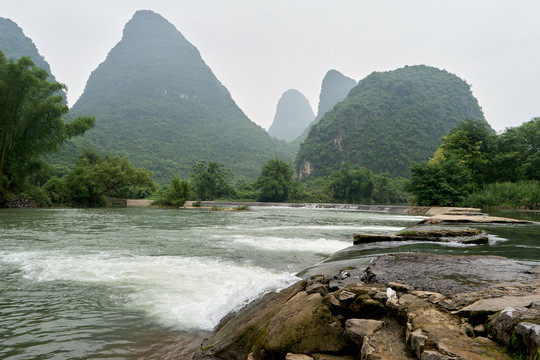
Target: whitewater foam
x,y
179,292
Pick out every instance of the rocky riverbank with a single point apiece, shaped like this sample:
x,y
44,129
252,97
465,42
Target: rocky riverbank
x,y
402,306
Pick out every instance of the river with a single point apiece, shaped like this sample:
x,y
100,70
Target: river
x,y
113,283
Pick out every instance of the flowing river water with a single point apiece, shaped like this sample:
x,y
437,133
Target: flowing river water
x,y
116,283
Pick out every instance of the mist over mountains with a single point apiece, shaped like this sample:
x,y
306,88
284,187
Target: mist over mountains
x,y
293,115
334,88
14,44
156,100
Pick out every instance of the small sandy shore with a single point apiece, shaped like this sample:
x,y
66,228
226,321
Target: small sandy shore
x,y
138,203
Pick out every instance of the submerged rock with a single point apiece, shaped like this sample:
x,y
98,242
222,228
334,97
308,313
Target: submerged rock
x,y
457,235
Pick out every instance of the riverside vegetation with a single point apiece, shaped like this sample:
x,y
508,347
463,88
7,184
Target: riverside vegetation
x,y
351,154
473,166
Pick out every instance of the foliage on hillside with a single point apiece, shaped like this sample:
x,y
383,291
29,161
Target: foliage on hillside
x,y
387,121
155,100
334,88
14,44
293,115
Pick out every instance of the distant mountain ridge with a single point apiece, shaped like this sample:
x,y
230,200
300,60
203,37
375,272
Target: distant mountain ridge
x,y
387,121
14,44
293,115
155,100
334,88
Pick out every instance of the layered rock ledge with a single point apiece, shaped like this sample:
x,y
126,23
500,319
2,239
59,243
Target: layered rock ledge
x,y
432,234
401,306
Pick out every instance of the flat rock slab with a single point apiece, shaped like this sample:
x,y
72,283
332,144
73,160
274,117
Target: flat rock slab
x,y
481,219
441,236
448,274
501,303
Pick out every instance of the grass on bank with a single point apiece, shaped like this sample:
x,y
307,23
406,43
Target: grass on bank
x,y
521,195
236,208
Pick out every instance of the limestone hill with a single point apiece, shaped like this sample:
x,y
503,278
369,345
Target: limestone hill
x,y
14,44
387,121
334,88
293,115
155,100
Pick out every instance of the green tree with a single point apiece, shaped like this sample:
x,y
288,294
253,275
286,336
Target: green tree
x,y
275,182
443,183
94,177
390,190
352,184
471,143
517,153
210,180
177,192
31,125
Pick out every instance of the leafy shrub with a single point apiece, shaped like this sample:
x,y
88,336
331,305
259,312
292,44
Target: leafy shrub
x,y
242,208
178,192
39,195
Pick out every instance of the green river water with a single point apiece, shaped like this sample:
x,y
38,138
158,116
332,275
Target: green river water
x,y
115,283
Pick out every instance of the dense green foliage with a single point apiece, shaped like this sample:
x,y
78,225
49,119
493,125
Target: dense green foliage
x,y
516,153
358,185
31,125
470,142
293,115
95,177
211,180
444,184
275,181
176,194
475,166
155,100
353,184
387,121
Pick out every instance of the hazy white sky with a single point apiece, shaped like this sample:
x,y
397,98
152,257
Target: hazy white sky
x,y
260,49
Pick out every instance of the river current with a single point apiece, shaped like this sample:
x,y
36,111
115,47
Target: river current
x,y
108,283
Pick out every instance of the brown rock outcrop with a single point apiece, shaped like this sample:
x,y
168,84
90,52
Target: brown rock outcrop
x,y
420,311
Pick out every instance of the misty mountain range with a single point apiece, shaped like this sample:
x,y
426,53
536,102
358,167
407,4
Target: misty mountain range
x,y
156,101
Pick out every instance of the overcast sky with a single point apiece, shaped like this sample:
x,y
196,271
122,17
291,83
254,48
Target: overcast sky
x,y
260,49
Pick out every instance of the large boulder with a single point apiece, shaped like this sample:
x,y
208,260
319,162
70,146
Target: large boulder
x,y
410,306
517,328
292,321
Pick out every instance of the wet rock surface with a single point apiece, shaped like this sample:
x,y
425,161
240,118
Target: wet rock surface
x,y
447,274
410,306
21,203
462,235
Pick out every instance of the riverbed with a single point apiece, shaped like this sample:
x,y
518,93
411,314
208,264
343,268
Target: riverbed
x,y
114,283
